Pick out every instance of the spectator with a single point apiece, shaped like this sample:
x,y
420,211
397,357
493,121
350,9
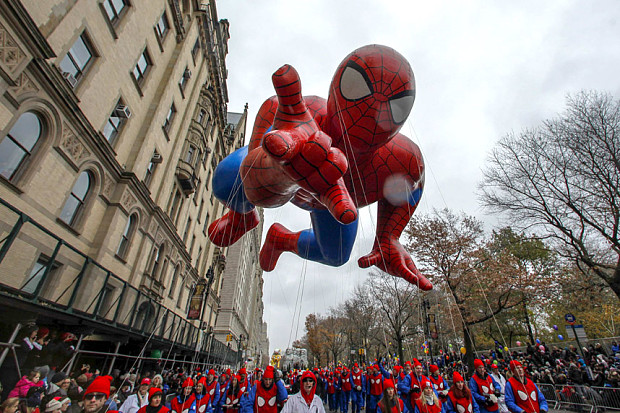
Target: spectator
x,y
136,401
155,402
26,382
9,405
96,395
59,384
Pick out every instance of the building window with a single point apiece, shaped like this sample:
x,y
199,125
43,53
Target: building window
x,y
184,80
206,225
173,282
142,67
162,28
189,155
123,247
150,170
36,274
75,204
18,145
115,122
196,49
157,260
191,245
175,205
114,9
77,59
187,229
201,116
198,257
169,118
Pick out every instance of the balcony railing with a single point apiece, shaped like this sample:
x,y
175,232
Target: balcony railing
x,y
38,267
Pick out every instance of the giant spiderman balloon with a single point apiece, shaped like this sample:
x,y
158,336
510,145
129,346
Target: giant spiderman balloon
x,y
330,158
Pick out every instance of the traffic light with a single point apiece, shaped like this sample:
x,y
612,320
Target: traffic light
x,y
229,337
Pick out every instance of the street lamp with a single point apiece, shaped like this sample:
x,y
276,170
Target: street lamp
x,y
239,351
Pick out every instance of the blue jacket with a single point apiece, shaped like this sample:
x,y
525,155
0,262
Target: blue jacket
x,y
477,394
249,397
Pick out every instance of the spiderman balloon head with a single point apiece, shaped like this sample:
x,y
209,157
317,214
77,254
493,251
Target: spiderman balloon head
x,y
370,97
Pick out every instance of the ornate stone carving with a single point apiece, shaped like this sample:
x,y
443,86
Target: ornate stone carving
x,y
72,145
128,200
23,85
11,55
108,187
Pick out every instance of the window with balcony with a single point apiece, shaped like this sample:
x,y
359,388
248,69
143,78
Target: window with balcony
x,y
123,246
201,116
74,205
18,146
189,155
76,62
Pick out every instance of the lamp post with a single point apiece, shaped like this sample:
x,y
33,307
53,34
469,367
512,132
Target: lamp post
x,y
239,351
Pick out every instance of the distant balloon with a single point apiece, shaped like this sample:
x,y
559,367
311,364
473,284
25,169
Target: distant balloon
x,y
555,327
463,350
560,336
495,362
506,349
537,341
450,345
518,344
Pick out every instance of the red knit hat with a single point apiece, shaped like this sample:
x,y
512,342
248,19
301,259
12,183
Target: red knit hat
x,y
514,364
426,383
456,376
416,363
101,384
433,368
388,383
211,372
478,363
203,381
153,391
494,366
243,371
269,372
188,382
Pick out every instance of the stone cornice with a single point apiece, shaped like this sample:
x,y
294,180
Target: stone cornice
x,y
27,29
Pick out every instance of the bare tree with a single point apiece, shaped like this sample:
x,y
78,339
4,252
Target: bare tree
x,y
563,179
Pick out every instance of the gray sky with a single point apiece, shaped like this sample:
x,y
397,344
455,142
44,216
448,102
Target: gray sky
x,y
482,69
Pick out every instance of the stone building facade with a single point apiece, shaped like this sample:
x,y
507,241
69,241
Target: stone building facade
x,y
113,117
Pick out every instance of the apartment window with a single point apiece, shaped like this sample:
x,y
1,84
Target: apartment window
x,y
201,116
130,227
162,27
169,118
206,225
150,169
202,204
115,122
18,145
191,246
198,257
75,203
187,229
142,67
175,205
74,64
184,80
196,193
189,155
114,9
196,49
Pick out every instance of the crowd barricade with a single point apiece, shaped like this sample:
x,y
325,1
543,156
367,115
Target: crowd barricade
x,y
581,399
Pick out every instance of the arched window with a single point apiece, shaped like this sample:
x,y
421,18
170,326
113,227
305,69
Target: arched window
x,y
19,144
173,281
157,260
130,227
75,202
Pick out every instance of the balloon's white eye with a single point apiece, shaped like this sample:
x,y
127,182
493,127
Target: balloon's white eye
x,y
400,106
353,84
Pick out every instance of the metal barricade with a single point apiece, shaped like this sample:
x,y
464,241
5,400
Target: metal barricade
x,y
581,399
550,393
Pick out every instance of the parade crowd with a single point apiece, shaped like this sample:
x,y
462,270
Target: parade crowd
x,y
501,381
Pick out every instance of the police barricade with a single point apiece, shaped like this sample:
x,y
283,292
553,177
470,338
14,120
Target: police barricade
x,y
550,393
609,398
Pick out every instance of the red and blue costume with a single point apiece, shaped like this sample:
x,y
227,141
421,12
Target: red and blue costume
x,y
330,157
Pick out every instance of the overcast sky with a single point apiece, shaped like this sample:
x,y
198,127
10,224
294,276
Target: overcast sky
x,y
482,69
